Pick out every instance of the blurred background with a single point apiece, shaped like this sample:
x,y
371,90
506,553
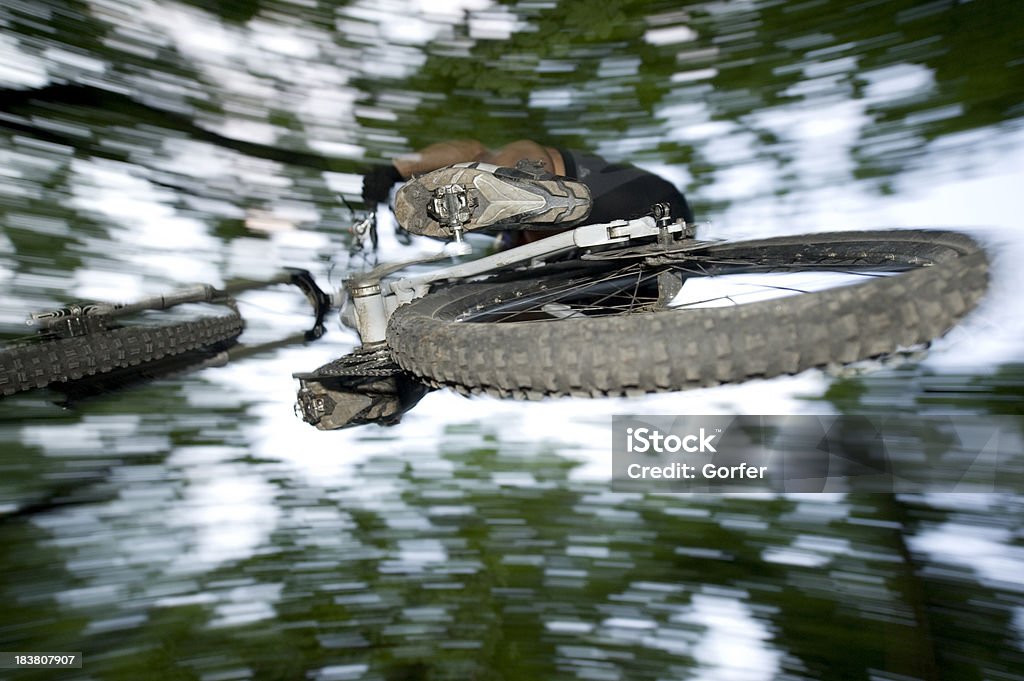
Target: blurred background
x,y
195,529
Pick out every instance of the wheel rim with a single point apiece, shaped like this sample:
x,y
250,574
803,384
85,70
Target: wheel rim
x,y
715,278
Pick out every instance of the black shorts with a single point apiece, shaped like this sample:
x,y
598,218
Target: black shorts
x,y
621,191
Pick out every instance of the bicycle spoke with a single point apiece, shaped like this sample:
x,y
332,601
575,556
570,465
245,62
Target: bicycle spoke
x,y
640,287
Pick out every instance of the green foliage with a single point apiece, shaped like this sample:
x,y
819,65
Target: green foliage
x,y
517,557
235,11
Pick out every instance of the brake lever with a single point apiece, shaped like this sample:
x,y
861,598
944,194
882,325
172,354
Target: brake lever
x,y
320,301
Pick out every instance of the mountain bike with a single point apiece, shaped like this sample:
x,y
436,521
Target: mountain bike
x,y
621,308
636,306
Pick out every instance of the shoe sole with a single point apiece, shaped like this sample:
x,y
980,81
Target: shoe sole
x,y
500,200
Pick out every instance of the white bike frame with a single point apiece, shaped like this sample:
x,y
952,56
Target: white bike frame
x,y
374,299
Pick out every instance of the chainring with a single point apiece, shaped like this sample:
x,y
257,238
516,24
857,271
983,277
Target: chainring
x,y
363,361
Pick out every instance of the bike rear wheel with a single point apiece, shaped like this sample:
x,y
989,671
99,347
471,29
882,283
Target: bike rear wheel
x,y
616,327
50,361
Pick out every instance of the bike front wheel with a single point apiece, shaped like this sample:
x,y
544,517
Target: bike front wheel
x,y
51,361
650,322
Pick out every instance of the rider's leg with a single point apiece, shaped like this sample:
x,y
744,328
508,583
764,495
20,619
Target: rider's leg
x,y
440,155
449,153
510,154
622,190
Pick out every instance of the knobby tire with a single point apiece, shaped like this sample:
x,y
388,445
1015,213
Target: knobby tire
x,y
61,360
940,276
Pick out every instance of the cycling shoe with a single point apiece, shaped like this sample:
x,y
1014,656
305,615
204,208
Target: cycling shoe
x,y
484,196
